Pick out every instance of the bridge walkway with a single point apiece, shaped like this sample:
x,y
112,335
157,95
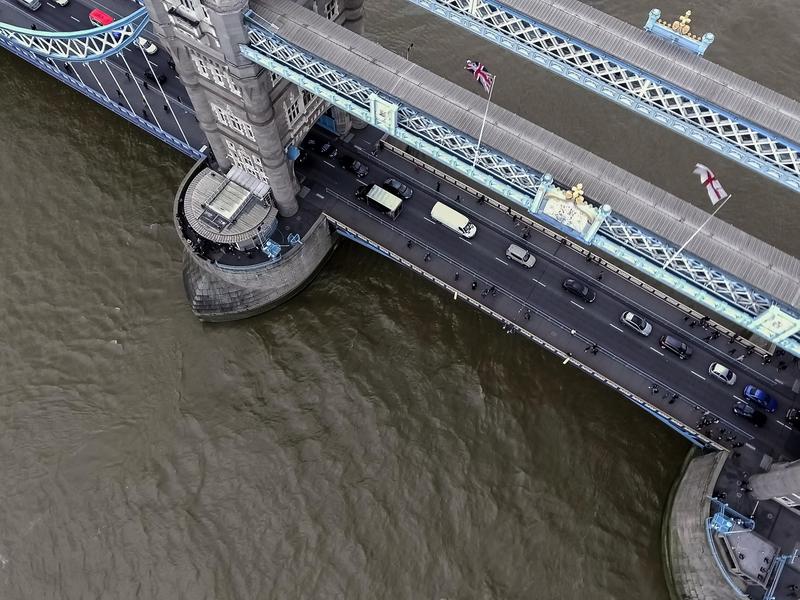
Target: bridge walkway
x,y
631,361
635,200
668,62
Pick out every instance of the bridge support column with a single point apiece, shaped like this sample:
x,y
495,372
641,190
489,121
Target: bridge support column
x,y
602,213
353,11
544,187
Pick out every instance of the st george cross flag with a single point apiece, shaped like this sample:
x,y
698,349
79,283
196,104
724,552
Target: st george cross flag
x,y
485,78
713,186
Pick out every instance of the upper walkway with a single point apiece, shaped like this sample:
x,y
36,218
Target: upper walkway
x,y
668,62
739,254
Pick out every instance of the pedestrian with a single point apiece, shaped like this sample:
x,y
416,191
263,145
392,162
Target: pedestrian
x,y
572,332
563,241
144,85
485,293
166,108
380,145
474,284
128,75
409,244
144,113
119,93
427,257
686,318
438,185
673,399
528,315
458,198
481,199
732,351
692,323
171,64
587,348
179,98
33,26
508,210
600,277
595,349
589,257
457,275
655,389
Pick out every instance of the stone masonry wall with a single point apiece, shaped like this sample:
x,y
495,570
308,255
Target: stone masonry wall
x,y
695,574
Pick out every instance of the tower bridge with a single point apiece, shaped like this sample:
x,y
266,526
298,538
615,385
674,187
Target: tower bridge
x,y
247,81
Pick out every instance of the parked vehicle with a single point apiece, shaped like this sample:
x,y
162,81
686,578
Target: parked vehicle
x,y
676,346
721,372
453,220
149,47
743,409
579,289
637,323
398,188
356,167
760,397
520,255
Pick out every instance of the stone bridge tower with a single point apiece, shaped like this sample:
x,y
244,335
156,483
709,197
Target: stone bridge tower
x,y
248,242
249,115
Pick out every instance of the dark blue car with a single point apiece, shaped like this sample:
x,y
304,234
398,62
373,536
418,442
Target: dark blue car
x,y
760,397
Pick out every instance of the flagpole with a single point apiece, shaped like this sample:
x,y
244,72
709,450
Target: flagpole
x,y
480,136
691,237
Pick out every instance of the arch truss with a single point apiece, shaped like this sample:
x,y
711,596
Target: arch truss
x,y
83,46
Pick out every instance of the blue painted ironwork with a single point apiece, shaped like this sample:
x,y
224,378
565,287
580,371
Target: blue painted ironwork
x,y
670,32
702,282
101,99
665,103
79,46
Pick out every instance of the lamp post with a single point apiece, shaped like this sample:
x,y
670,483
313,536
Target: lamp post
x,y
408,50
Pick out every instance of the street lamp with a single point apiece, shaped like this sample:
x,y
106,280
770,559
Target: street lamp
x,y
408,50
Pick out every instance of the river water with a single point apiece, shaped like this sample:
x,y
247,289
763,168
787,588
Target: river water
x,y
370,439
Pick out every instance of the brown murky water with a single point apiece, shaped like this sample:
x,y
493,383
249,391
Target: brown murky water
x,y
370,439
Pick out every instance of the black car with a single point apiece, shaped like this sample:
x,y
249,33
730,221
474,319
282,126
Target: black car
x,y
793,416
581,290
148,74
356,167
302,157
675,345
398,188
743,409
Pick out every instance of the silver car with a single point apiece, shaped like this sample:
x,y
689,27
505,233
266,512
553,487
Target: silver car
x,y
721,372
637,323
520,255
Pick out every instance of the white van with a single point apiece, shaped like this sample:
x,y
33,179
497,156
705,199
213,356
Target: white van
x,y
520,255
31,4
452,219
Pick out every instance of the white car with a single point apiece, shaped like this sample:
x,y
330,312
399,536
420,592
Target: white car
x,y
721,372
637,323
146,45
61,2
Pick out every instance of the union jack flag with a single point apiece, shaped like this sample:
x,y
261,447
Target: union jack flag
x,y
481,75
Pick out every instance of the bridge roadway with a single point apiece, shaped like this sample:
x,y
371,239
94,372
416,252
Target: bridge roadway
x,y
75,17
625,357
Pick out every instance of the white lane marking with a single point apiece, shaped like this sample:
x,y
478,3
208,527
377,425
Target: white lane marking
x,y
318,195
429,220
155,65
698,375
539,282
750,446
782,423
463,240
620,330
51,5
74,19
359,147
502,261
329,164
737,397
128,49
576,304
778,381
658,352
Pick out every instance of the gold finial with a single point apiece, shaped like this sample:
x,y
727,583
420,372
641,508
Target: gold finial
x,y
682,24
576,194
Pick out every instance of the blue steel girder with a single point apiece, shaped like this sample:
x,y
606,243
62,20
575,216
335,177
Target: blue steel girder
x,y
87,45
516,182
665,103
